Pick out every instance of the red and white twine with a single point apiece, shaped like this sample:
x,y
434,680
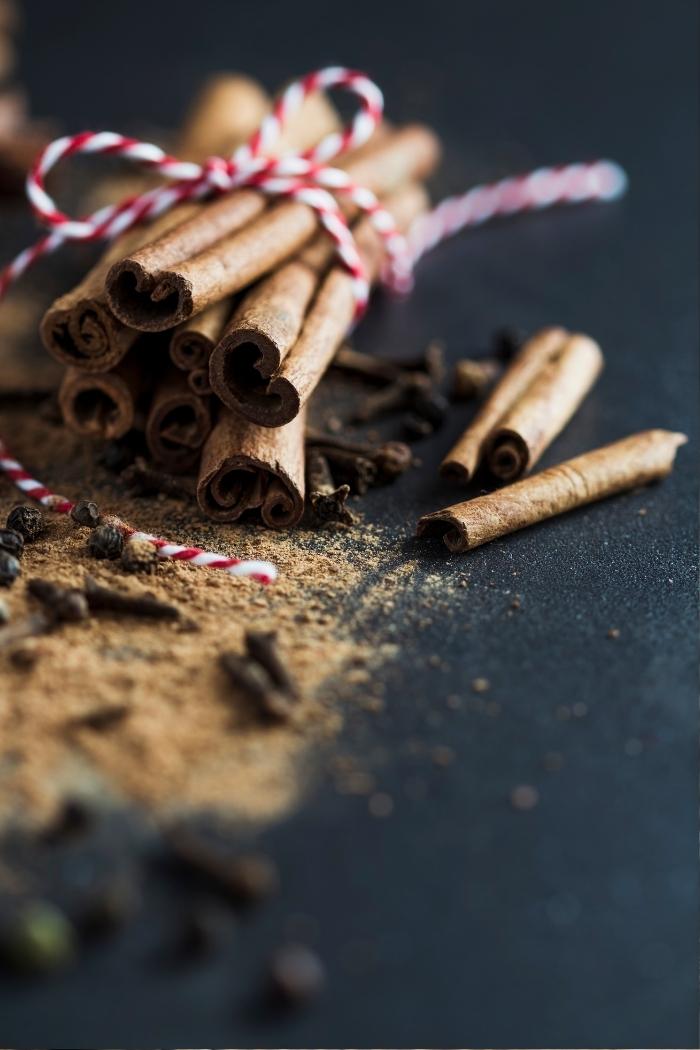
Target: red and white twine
x,y
306,177
262,571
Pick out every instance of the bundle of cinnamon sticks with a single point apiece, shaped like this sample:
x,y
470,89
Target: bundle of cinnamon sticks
x,y
209,329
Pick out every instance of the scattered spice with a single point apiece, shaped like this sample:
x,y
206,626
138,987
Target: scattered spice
x,y
480,685
12,542
472,377
262,646
242,878
9,568
28,521
139,555
145,480
38,938
296,974
105,541
63,604
103,599
325,500
614,633
253,680
524,797
86,513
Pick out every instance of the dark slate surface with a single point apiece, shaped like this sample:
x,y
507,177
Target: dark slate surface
x,y
459,921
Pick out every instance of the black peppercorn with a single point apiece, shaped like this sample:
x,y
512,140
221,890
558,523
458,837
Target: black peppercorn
x,y
106,541
28,521
12,542
9,568
85,512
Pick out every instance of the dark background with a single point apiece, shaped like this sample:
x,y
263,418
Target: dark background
x,y
459,921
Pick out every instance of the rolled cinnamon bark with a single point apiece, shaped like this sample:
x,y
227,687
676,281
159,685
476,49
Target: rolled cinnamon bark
x,y
105,404
169,281
276,349
635,460
544,409
249,468
79,328
192,343
178,424
461,462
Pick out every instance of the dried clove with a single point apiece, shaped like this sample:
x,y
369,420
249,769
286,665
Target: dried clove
x,y
367,366
86,513
103,599
431,361
262,647
12,542
243,878
255,682
101,718
473,376
415,427
63,604
144,480
390,459
105,541
392,398
28,521
325,500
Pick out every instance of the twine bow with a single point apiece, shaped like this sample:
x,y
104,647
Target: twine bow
x,y
305,177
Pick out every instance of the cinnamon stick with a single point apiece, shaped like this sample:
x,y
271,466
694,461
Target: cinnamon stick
x,y
461,462
635,460
198,381
105,404
250,468
178,423
79,328
276,348
171,280
544,409
191,343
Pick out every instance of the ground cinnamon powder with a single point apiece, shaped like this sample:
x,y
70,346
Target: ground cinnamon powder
x,y
184,740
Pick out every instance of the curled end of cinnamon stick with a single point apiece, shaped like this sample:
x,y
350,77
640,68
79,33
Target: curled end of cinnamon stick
x,y
442,525
178,424
145,302
189,349
509,456
240,371
453,470
96,405
86,335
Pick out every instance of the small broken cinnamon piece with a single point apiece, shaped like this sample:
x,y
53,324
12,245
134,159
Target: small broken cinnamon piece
x,y
636,460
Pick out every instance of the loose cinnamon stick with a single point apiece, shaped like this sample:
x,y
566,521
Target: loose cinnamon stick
x,y
462,461
79,328
178,424
105,404
544,409
275,350
192,343
169,281
245,467
635,460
